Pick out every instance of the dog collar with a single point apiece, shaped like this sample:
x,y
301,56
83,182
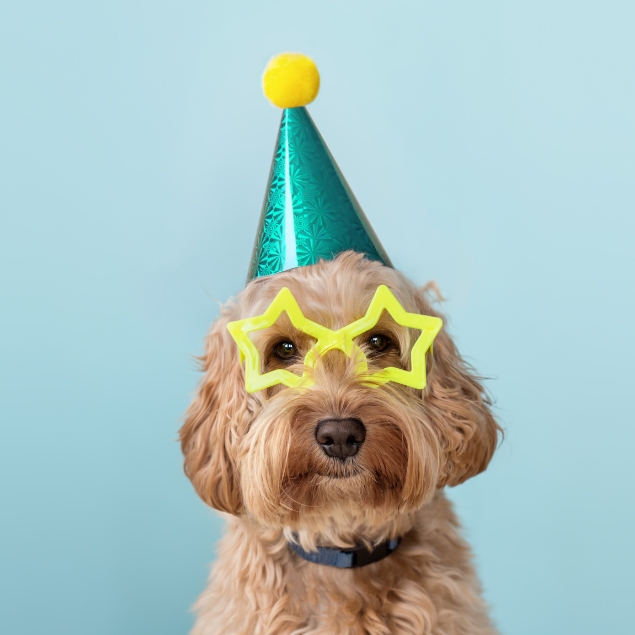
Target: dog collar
x,y
347,558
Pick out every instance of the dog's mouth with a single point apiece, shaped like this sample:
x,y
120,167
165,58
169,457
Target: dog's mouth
x,y
341,469
342,485
336,469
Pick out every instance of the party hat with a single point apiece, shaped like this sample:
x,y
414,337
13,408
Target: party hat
x,y
309,213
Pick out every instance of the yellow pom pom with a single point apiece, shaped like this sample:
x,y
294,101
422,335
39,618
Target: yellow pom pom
x,y
291,80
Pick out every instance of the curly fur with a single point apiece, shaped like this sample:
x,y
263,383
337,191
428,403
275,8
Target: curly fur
x,y
256,458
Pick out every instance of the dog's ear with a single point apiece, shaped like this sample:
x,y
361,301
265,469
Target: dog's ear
x,y
214,421
459,410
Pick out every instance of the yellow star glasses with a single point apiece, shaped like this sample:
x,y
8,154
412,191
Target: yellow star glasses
x,y
342,339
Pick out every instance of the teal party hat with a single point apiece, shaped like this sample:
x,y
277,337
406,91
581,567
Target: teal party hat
x,y
309,213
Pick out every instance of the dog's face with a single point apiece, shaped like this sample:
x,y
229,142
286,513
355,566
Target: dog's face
x,y
341,448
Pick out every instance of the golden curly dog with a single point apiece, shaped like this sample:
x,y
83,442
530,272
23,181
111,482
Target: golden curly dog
x,y
256,457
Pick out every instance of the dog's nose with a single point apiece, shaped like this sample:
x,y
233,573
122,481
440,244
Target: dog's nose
x,y
340,438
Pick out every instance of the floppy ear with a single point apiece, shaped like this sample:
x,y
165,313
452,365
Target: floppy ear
x,y
459,410
214,422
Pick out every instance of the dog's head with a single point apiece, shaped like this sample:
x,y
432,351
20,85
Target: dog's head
x,y
292,457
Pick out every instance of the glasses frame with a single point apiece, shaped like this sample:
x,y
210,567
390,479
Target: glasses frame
x,y
342,339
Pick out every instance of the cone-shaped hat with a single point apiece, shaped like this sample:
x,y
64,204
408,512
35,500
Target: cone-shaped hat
x,y
309,213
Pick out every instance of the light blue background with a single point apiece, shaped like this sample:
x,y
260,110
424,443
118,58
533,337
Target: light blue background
x,y
492,147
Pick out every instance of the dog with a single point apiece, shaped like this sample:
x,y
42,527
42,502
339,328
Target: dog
x,y
339,465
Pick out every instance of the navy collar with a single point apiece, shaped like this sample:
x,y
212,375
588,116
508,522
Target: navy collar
x,y
347,558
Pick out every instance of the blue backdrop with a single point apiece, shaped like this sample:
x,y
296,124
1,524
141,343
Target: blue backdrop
x,y
491,145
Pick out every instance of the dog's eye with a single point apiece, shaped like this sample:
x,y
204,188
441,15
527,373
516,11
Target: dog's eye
x,y
379,343
285,350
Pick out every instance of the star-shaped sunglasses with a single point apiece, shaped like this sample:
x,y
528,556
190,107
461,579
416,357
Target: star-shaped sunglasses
x,y
342,339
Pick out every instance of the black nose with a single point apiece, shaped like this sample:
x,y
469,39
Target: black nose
x,y
340,438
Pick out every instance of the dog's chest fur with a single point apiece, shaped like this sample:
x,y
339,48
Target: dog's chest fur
x,y
427,586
